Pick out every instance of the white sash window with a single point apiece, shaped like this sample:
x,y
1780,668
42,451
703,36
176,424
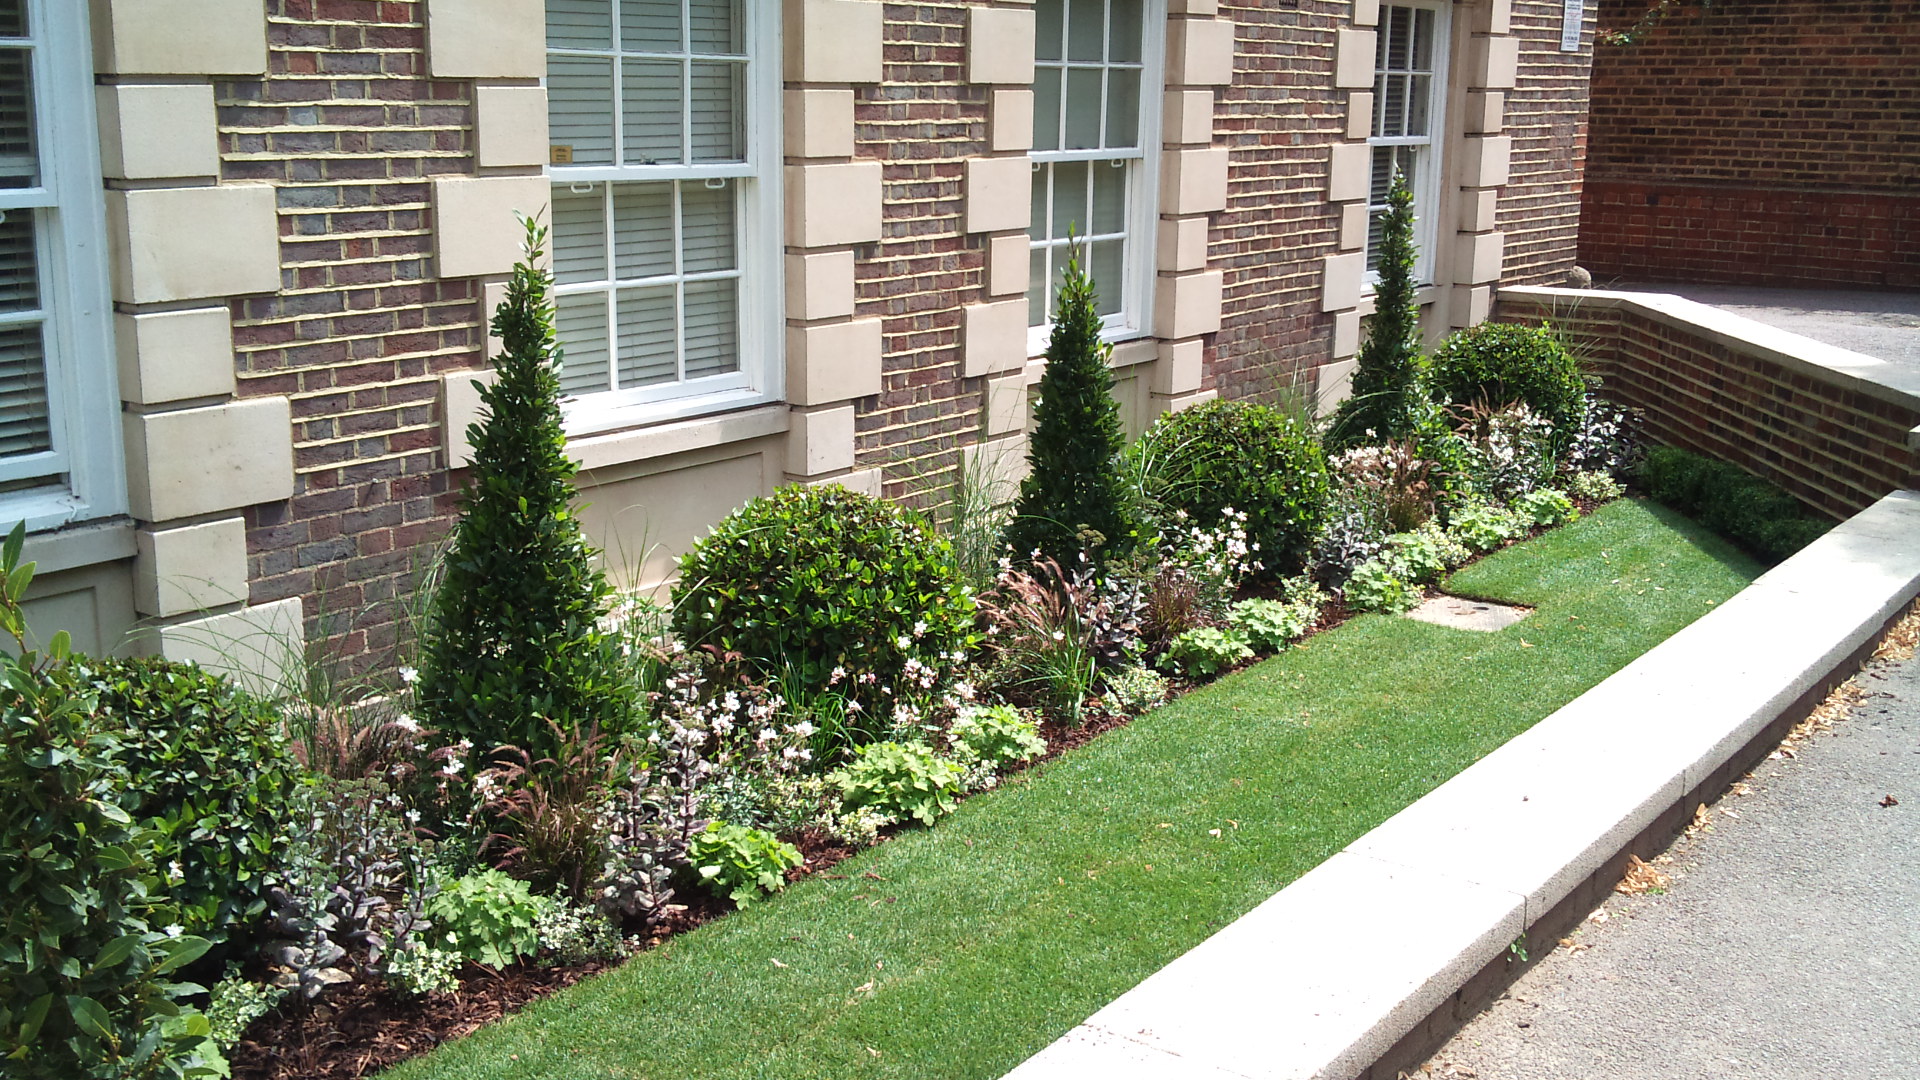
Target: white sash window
x,y
1409,92
1096,104
59,409
664,226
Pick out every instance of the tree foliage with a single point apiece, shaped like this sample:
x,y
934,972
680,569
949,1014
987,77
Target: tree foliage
x,y
1387,396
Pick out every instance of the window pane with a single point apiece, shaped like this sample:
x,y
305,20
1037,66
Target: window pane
x,y
718,133
1382,177
1046,109
642,230
579,24
1040,205
717,27
706,228
18,167
1124,29
1037,313
1419,94
652,111
650,25
1376,232
581,320
1399,38
1123,108
1423,39
579,235
19,264
1393,105
713,328
1086,29
24,424
1047,37
1109,197
646,337
1108,279
1083,108
580,107
1069,199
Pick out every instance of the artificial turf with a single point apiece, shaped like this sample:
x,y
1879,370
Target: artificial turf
x,y
958,951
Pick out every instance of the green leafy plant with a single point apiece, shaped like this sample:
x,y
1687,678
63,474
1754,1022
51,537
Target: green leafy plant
x,y
1272,625
89,985
1483,526
1380,584
207,774
487,917
1546,507
515,638
1041,624
1133,690
1594,485
811,583
1074,498
1426,553
1254,459
995,736
1386,381
1208,650
424,970
234,1003
900,780
1731,501
740,863
1497,364
575,933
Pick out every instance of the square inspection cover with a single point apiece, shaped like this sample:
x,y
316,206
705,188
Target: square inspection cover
x,y
1464,614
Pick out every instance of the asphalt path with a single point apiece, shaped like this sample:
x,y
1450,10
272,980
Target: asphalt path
x,y
1785,944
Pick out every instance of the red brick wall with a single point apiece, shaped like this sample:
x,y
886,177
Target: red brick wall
x,y
1763,141
1539,209
1824,440
921,123
348,129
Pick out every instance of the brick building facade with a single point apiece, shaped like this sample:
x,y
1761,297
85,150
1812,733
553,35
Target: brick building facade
x,y
1765,142
308,214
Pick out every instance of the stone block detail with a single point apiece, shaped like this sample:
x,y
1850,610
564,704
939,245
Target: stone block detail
x,y
819,123
999,194
1008,265
833,41
1333,384
460,408
174,355
833,362
157,132
1199,52
831,205
1180,368
1478,209
1366,12
994,337
1187,117
1193,181
262,647
509,126
1496,63
1359,114
1477,257
1349,172
1353,59
1353,226
194,568
1182,244
197,461
1010,121
1188,305
1346,334
1471,305
179,37
820,285
820,441
1486,111
193,243
1006,407
1000,44
475,228
486,39
1486,161
1344,278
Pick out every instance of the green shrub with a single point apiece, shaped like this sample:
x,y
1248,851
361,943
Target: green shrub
x,y
207,770
423,970
1134,690
810,579
1387,397
899,780
1425,553
1248,457
514,638
741,863
89,958
1501,363
1272,625
487,917
1073,499
1546,507
1208,650
1380,584
995,736
1483,526
235,1003
1731,501
1594,486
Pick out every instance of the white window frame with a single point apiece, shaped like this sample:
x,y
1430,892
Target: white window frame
x,y
1428,186
1134,319
83,396
761,305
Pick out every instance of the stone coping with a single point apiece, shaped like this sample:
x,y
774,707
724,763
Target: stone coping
x,y
1869,375
1325,977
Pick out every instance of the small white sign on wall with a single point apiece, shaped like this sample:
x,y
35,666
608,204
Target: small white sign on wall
x,y
1572,14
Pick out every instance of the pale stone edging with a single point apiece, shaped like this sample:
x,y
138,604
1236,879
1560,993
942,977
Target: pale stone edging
x,y
1329,974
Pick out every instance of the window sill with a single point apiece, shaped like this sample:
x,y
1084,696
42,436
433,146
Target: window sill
x,y
79,545
602,451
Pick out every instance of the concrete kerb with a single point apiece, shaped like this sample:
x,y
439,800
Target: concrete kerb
x,y
1368,961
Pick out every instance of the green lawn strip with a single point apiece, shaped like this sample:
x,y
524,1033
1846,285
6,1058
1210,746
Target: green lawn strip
x,y
1033,906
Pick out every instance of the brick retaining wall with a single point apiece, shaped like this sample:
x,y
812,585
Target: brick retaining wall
x,y
1718,384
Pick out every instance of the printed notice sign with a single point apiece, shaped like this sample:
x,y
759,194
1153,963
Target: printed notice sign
x,y
1572,14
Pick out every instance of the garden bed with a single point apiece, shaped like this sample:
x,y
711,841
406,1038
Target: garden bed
x,y
959,951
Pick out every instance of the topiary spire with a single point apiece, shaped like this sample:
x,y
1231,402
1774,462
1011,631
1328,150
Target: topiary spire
x,y
515,639
1386,382
1073,498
